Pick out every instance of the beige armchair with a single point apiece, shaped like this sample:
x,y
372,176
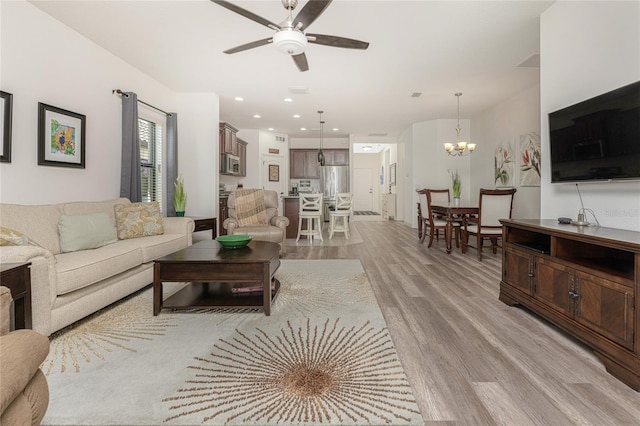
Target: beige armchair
x,y
24,393
266,227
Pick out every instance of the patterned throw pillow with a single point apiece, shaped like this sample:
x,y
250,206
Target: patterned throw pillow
x,y
138,220
10,237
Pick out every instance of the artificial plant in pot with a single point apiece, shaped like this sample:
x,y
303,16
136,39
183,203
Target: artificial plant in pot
x,y
179,196
457,186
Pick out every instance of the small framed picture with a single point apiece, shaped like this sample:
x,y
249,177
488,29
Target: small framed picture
x,y
6,110
61,137
274,173
392,174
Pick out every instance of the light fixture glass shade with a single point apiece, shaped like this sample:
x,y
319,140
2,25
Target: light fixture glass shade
x,y
290,41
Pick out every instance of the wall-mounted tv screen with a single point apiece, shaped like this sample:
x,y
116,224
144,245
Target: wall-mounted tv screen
x,y
597,139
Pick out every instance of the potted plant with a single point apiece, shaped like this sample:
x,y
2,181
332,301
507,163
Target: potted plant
x,y
179,196
457,187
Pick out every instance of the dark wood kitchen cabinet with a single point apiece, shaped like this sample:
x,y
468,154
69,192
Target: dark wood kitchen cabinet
x,y
228,139
304,164
584,280
223,213
336,157
242,153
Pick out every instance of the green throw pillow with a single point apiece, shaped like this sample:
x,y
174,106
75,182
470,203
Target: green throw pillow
x,y
87,231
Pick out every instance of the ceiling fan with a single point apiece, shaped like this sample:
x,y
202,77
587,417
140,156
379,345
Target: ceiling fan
x,y
290,36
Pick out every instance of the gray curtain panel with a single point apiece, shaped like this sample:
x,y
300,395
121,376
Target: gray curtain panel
x,y
130,185
172,161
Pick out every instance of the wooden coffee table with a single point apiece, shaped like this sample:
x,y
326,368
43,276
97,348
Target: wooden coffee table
x,y
213,271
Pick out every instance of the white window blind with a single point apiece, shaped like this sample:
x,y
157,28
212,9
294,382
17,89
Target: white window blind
x,y
151,160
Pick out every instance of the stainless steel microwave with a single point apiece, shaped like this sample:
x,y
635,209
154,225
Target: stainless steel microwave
x,y
230,164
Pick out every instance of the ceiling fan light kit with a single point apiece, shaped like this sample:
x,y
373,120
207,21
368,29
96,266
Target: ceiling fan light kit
x,y
292,42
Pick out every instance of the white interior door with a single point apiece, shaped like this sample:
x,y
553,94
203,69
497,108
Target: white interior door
x,y
362,190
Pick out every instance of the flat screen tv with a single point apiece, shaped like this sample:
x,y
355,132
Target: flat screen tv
x,y
597,139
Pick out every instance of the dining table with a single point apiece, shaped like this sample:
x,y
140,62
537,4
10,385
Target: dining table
x,y
451,213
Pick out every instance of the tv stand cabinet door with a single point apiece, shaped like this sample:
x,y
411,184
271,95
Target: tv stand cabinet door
x,y
606,307
554,286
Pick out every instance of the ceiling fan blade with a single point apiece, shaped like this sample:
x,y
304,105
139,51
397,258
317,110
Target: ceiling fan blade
x,y
248,46
310,13
250,15
335,41
301,62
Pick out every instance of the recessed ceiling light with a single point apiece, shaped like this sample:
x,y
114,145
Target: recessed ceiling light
x,y
288,100
271,129
296,115
256,116
303,128
335,129
239,99
366,148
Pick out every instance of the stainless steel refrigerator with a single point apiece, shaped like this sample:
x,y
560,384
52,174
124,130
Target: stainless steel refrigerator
x,y
333,180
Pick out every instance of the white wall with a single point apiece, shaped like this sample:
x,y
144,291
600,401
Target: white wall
x,y
198,151
588,48
45,61
506,121
431,163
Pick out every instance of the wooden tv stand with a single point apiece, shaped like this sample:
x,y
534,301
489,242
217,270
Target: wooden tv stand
x,y
582,279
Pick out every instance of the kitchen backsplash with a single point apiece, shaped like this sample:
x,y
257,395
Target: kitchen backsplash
x,y
305,185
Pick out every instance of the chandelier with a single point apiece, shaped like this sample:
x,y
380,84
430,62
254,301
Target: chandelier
x,y
460,148
320,153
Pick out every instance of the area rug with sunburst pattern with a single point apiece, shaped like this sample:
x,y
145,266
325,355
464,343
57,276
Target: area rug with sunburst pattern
x,y
323,357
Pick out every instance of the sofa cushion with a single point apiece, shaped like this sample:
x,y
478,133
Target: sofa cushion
x,y
82,268
87,207
87,231
137,220
160,245
38,222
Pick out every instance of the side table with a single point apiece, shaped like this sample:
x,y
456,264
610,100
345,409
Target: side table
x,y
17,277
204,224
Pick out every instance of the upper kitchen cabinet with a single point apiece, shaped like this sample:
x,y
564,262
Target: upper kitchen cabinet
x,y
228,139
242,153
303,164
336,157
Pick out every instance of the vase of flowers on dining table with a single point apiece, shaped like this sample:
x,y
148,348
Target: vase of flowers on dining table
x,y
456,186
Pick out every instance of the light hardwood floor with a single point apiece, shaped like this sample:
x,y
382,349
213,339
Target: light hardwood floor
x,y
471,359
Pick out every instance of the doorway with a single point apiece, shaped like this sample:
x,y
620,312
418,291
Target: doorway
x,y
272,174
363,190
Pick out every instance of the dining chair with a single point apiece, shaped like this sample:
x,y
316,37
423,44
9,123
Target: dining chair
x,y
341,213
433,224
311,211
494,204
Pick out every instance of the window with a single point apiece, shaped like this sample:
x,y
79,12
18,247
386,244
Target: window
x,y
151,160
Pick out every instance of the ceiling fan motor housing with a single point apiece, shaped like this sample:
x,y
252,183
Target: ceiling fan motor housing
x,y
289,41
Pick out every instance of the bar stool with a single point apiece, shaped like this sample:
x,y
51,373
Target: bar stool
x,y
310,209
342,211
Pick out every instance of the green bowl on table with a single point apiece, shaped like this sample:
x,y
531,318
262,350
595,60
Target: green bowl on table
x,y
234,241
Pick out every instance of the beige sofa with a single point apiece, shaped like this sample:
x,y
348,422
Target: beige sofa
x,y
66,287
24,393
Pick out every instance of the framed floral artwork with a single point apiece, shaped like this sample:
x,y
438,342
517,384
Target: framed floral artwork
x,y
61,137
529,161
6,111
504,164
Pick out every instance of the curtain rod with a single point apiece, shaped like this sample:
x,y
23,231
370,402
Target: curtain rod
x,y
120,92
